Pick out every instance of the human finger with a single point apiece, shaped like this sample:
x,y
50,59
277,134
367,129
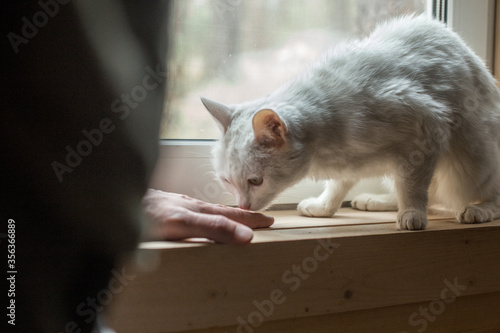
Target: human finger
x,y
214,227
251,219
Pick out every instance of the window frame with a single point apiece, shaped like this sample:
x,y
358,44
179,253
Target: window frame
x,y
184,166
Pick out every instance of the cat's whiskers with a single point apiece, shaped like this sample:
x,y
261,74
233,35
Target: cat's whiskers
x,y
198,154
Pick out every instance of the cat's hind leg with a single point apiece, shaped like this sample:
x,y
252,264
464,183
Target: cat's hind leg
x,y
377,202
487,209
329,201
479,213
469,182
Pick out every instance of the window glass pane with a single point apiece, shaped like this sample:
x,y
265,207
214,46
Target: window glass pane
x,y
237,50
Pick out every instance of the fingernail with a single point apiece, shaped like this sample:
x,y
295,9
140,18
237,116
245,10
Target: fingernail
x,y
270,219
243,233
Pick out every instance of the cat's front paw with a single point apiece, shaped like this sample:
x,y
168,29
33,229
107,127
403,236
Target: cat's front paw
x,y
315,207
412,219
374,202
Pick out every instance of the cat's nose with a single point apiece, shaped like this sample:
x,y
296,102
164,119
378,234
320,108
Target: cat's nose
x,y
245,206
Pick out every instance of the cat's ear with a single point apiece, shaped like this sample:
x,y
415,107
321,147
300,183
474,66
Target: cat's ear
x,y
222,113
269,129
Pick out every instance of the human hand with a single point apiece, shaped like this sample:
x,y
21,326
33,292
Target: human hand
x,y
175,216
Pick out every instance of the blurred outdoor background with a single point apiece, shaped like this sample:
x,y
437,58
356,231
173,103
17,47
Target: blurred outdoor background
x,y
237,50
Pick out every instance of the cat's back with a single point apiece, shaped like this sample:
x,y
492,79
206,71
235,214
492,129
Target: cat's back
x,y
411,31
403,45
411,51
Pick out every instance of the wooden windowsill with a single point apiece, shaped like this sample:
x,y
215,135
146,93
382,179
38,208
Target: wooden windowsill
x,y
353,272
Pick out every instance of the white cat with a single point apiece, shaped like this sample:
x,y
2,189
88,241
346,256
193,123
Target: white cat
x,y
411,101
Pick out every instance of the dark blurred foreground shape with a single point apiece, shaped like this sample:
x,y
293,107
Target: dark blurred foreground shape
x,y
82,96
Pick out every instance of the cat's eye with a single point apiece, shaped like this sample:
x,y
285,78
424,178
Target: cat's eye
x,y
256,181
225,180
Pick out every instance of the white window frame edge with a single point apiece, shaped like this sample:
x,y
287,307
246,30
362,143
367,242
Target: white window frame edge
x,y
474,21
184,166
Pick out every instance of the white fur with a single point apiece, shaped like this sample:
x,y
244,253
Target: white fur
x,y
375,202
411,101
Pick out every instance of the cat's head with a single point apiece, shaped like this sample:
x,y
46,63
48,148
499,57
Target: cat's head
x,y
257,156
